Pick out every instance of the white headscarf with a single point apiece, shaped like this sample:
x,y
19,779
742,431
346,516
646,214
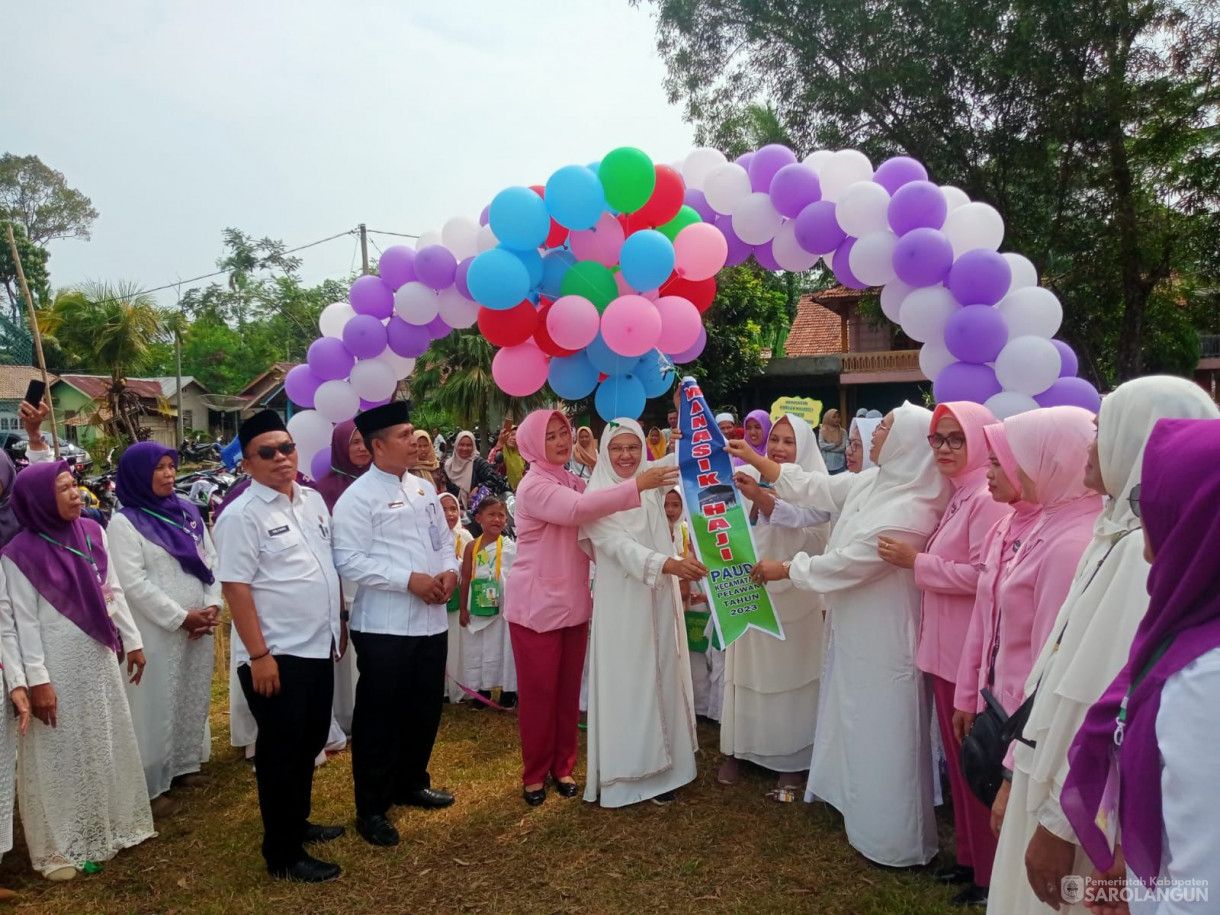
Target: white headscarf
x,y
725,418
461,470
867,427
647,524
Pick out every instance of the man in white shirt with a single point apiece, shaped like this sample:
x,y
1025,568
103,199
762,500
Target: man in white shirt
x,y
275,562
391,539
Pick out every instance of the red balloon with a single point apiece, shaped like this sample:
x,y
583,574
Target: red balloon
x,y
542,336
665,202
558,234
601,376
700,293
510,327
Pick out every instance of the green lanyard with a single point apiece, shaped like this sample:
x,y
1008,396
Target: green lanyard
x,y
1121,721
343,473
171,523
85,556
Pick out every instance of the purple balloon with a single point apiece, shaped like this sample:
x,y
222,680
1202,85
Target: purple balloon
x,y
320,465
435,267
459,277
766,258
369,295
976,333
744,160
894,173
793,188
980,278
917,205
923,257
739,251
369,404
1069,364
300,384
842,265
330,359
397,266
766,163
696,200
364,336
964,381
1070,392
407,340
692,352
817,229
485,216
437,328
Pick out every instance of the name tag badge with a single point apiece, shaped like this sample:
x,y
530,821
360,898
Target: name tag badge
x,y
276,531
434,533
396,504
323,528
108,592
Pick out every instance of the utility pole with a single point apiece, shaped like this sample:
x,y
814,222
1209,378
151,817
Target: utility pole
x,y
178,388
364,248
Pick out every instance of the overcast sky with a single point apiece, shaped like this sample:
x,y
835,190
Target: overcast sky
x,y
298,119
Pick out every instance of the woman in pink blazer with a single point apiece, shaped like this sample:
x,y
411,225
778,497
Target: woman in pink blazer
x,y
547,602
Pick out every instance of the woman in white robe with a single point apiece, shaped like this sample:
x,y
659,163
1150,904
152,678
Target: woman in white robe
x,y
641,733
10,726
872,752
771,686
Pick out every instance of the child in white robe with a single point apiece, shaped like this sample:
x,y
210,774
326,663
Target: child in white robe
x,y
453,660
487,653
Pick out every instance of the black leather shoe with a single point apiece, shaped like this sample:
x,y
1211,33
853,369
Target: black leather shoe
x,y
534,798
971,896
567,789
662,799
430,798
377,830
508,700
318,834
955,874
307,870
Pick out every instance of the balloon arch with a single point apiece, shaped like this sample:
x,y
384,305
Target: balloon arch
x,y
598,281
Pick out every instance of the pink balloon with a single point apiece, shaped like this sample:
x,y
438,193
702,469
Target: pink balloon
x,y
520,370
680,324
631,325
700,250
624,288
602,243
572,322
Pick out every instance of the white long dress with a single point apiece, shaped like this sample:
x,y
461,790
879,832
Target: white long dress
x,y
872,752
771,686
453,660
169,707
641,738
487,653
14,678
81,785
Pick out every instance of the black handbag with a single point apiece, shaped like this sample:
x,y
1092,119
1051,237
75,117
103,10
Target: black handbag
x,y
985,746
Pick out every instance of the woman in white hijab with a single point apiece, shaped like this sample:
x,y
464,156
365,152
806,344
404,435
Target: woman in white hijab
x,y
858,441
771,686
872,756
641,738
1087,647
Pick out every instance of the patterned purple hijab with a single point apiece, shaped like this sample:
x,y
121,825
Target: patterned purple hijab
x,y
69,582
172,523
1179,492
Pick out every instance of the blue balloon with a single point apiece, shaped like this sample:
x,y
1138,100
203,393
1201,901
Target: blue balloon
x,y
607,360
655,372
498,279
575,197
555,264
620,396
533,264
647,259
572,377
519,218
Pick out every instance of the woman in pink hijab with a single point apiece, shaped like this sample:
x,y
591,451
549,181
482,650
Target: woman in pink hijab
x,y
947,572
547,601
1030,559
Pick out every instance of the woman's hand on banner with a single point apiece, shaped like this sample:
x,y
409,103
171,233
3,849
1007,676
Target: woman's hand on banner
x,y
657,478
688,569
766,570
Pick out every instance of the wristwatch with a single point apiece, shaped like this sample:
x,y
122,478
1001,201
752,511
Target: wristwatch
x,y
345,615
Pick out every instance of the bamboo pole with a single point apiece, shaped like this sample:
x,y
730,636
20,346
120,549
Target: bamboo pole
x,y
42,361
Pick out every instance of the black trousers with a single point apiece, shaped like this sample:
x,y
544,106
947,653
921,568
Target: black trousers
x,y
292,730
398,710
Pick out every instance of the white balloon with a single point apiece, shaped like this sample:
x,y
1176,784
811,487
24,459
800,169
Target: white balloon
x,y
1010,403
428,239
487,239
933,359
726,186
954,196
416,303
872,257
310,429
1024,273
756,220
461,236
925,311
699,164
787,253
841,171
336,401
1028,365
334,318
1032,311
305,461
457,310
891,299
862,209
373,379
818,159
401,365
974,225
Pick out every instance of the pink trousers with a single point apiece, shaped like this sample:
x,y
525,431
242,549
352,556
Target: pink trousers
x,y
976,844
549,667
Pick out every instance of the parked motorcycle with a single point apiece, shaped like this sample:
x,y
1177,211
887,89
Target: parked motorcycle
x,y
199,452
205,489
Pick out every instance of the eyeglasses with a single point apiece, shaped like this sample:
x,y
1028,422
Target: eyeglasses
x,y
955,441
853,445
1134,499
268,452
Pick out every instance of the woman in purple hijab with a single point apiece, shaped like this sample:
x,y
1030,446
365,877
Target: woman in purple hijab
x,y
757,427
1156,723
164,557
349,459
79,776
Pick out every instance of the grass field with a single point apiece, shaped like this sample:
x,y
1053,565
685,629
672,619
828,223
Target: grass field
x,y
717,850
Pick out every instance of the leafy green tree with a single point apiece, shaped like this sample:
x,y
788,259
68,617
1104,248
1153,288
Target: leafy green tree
x,y
33,262
39,199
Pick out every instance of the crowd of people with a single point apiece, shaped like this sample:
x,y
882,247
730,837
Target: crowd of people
x,y
935,572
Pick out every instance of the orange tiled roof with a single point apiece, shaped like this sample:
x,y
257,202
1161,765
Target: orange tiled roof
x,y
95,386
816,330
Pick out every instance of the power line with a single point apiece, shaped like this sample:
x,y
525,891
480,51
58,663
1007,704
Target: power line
x,y
399,234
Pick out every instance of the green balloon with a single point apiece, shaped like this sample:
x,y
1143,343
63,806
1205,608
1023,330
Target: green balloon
x,y
629,178
686,217
592,281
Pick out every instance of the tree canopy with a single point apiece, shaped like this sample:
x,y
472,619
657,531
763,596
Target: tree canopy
x,y
40,200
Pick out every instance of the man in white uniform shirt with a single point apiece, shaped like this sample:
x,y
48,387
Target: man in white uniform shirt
x,y
275,562
391,539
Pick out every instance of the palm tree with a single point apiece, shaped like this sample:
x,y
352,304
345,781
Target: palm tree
x,y
111,329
